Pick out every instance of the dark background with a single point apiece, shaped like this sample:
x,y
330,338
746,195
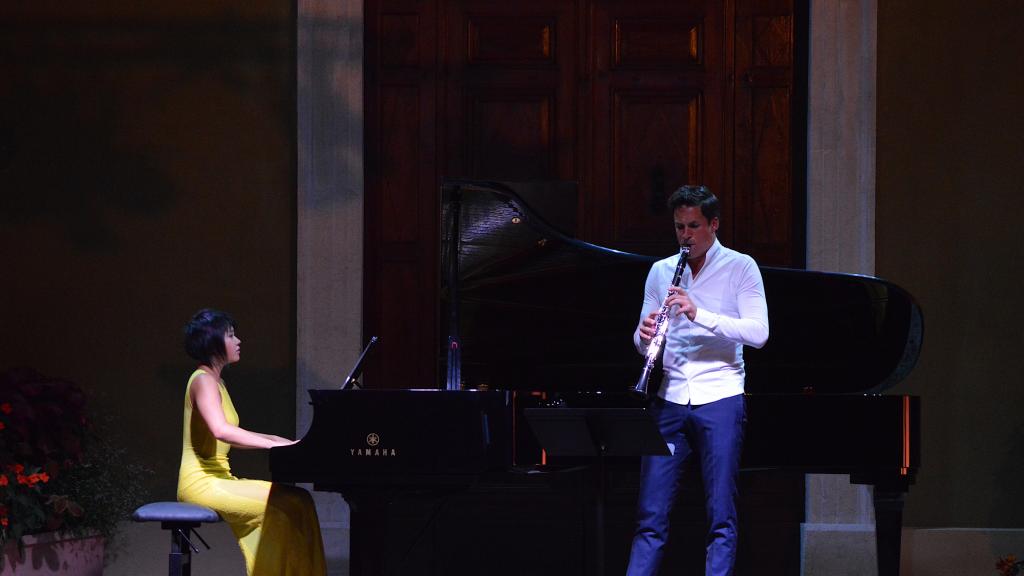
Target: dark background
x,y
147,170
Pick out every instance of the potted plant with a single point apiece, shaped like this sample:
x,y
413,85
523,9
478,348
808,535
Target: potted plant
x,y
63,485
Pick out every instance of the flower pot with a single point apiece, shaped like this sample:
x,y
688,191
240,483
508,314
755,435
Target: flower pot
x,y
50,554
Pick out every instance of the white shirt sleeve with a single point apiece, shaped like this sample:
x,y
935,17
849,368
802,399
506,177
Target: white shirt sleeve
x,y
652,303
751,328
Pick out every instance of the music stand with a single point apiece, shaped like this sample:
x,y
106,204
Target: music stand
x,y
352,380
597,432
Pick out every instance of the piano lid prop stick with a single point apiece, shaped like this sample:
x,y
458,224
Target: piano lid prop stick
x,y
352,381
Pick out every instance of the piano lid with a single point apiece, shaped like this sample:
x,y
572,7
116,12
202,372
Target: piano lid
x,y
537,309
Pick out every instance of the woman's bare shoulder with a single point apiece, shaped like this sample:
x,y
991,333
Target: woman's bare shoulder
x,y
205,381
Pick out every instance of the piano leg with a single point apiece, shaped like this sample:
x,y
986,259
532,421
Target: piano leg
x,y
368,519
888,530
598,489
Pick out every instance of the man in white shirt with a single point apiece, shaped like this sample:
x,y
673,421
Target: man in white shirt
x,y
718,308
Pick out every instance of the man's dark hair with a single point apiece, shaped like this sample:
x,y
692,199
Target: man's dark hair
x,y
696,196
204,335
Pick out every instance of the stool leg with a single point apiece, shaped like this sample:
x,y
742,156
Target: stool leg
x,y
180,558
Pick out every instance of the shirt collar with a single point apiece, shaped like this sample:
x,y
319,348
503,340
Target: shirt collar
x,y
712,251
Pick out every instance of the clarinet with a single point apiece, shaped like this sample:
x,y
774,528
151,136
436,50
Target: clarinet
x,y
660,329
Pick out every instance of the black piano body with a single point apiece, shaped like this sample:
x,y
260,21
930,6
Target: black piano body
x,y
389,437
542,319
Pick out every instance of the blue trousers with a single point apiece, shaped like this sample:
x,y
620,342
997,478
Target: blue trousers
x,y
713,433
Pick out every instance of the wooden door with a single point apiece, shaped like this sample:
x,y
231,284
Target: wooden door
x,y
510,75
660,104
770,126
629,99
402,154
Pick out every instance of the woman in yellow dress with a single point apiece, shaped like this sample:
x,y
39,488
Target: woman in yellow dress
x,y
276,524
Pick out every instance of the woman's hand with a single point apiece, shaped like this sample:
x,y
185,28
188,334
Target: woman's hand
x,y
277,440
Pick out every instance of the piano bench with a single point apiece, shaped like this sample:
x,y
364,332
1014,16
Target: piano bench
x,y
181,519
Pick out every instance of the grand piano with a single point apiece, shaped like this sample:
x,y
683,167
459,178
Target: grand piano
x,y
539,319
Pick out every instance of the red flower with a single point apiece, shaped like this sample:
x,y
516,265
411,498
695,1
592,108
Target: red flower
x,y
1009,566
4,481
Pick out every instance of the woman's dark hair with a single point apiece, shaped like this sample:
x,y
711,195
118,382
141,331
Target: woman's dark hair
x,y
204,335
696,196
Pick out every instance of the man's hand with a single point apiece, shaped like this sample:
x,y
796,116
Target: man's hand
x,y
679,303
647,328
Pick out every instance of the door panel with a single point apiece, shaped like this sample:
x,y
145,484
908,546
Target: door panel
x,y
656,144
510,73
